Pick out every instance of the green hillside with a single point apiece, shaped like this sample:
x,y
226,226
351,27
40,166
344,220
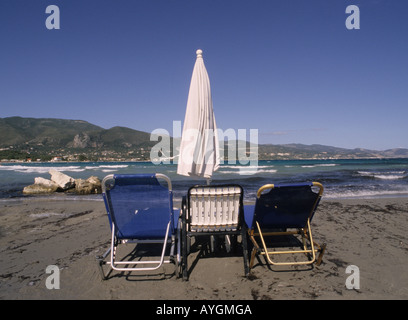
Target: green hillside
x,y
46,138
73,140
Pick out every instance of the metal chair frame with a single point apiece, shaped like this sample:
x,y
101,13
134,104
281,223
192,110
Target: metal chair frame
x,y
310,247
133,265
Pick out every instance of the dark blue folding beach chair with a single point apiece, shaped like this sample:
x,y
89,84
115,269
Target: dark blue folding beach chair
x,y
140,210
284,210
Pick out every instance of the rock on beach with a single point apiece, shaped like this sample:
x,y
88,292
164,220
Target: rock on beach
x,y
38,188
64,181
46,182
88,186
61,182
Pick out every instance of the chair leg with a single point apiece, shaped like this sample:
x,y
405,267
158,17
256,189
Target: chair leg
x,y
255,248
179,254
101,262
213,243
253,254
320,257
234,242
228,243
245,250
184,263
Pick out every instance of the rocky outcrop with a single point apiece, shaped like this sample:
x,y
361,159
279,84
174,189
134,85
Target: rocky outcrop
x,y
83,140
61,182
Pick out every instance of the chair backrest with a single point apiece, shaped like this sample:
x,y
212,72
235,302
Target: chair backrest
x,y
138,205
286,205
215,208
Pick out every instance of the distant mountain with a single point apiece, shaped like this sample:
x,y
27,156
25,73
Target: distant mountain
x,y
66,133
54,132
316,151
24,138
59,137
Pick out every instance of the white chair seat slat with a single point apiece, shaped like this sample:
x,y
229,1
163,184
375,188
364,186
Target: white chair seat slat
x,y
214,208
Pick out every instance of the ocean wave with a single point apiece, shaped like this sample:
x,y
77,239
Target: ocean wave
x,y
117,166
348,194
32,169
107,168
251,172
46,169
346,179
391,175
247,170
388,177
240,166
319,165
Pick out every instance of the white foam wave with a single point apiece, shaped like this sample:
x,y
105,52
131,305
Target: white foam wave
x,y
32,169
387,177
320,165
254,171
238,167
118,166
248,170
347,194
391,175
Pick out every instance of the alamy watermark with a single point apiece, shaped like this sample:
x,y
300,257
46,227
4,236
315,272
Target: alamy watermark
x,y
53,280
353,20
353,280
235,147
52,21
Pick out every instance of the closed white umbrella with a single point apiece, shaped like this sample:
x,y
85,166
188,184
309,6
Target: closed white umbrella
x,y
199,149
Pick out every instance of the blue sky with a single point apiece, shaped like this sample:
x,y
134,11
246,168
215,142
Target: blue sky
x,y
289,68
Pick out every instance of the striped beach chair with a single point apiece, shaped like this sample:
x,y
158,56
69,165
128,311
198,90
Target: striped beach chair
x,y
215,212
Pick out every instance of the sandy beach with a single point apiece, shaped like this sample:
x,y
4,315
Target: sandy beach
x,y
37,232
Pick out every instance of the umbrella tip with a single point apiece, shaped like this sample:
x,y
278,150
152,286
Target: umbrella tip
x,y
199,53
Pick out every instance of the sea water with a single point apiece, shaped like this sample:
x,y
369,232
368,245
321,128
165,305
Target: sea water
x,y
367,178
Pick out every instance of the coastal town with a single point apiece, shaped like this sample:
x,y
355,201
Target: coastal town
x,y
142,154
13,154
56,140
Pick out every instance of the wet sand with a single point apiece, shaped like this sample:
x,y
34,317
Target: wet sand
x,y
370,234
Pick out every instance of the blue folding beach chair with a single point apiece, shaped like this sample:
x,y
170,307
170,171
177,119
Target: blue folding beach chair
x,y
140,210
284,210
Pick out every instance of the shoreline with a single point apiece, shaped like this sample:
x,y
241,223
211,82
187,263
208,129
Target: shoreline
x,y
61,196
341,179
367,233
226,160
